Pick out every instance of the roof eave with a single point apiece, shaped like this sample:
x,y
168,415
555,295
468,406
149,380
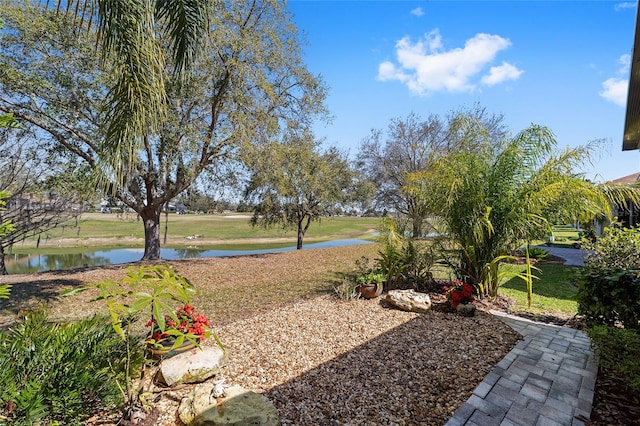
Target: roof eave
x,y
631,138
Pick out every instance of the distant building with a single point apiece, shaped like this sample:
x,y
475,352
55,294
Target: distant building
x,y
629,216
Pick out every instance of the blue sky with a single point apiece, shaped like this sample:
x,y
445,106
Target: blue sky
x,y
562,64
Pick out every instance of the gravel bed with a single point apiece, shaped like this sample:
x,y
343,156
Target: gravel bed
x,y
330,362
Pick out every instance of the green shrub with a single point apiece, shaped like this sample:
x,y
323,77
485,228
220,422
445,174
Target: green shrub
x,y
60,372
609,285
609,296
538,253
406,263
616,248
618,351
420,258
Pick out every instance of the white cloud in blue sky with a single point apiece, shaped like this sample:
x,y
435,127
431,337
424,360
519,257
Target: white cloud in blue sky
x,y
625,5
426,67
417,11
615,89
500,74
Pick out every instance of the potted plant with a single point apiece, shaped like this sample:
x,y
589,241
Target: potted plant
x,y
370,284
181,331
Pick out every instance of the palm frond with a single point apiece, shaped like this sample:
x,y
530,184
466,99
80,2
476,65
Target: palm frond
x,y
186,23
136,104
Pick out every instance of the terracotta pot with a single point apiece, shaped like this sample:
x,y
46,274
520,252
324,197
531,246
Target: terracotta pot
x,y
166,351
370,291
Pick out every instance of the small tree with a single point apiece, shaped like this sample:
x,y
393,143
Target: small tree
x,y
5,227
44,192
493,198
6,120
293,183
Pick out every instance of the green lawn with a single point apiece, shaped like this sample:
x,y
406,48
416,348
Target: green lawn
x,y
213,227
565,236
207,226
553,292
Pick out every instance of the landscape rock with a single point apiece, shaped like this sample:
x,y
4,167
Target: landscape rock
x,y
466,309
239,406
194,366
409,300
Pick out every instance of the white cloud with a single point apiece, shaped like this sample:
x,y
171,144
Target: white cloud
x,y
624,5
426,67
500,74
625,62
615,89
417,11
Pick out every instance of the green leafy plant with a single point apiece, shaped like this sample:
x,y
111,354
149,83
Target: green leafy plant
x,y
60,371
5,291
404,262
609,296
538,253
372,277
419,258
609,285
346,289
618,247
618,351
148,291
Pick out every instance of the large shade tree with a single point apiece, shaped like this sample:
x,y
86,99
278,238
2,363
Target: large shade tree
x,y
149,138
411,145
491,198
294,183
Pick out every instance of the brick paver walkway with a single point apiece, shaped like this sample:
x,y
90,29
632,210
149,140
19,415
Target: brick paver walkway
x,y
547,379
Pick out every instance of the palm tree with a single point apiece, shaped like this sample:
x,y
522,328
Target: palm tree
x,y
493,198
129,35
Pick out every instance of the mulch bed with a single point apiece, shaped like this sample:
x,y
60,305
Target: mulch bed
x,y
614,402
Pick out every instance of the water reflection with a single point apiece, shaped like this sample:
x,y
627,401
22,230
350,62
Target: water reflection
x,y
29,263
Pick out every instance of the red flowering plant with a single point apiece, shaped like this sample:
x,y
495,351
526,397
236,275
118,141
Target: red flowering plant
x,y
184,324
459,293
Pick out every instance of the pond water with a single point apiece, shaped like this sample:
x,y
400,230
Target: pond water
x,y
29,263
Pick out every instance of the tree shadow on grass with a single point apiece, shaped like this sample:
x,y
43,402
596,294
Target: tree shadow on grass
x,y
416,374
30,295
554,281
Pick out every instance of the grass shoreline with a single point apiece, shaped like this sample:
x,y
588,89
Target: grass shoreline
x,y
77,245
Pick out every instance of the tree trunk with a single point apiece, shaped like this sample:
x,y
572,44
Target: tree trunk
x,y
302,229
3,267
151,218
300,236
416,227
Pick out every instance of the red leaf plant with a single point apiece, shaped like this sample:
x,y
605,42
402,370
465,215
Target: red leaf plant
x,y
459,293
187,322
